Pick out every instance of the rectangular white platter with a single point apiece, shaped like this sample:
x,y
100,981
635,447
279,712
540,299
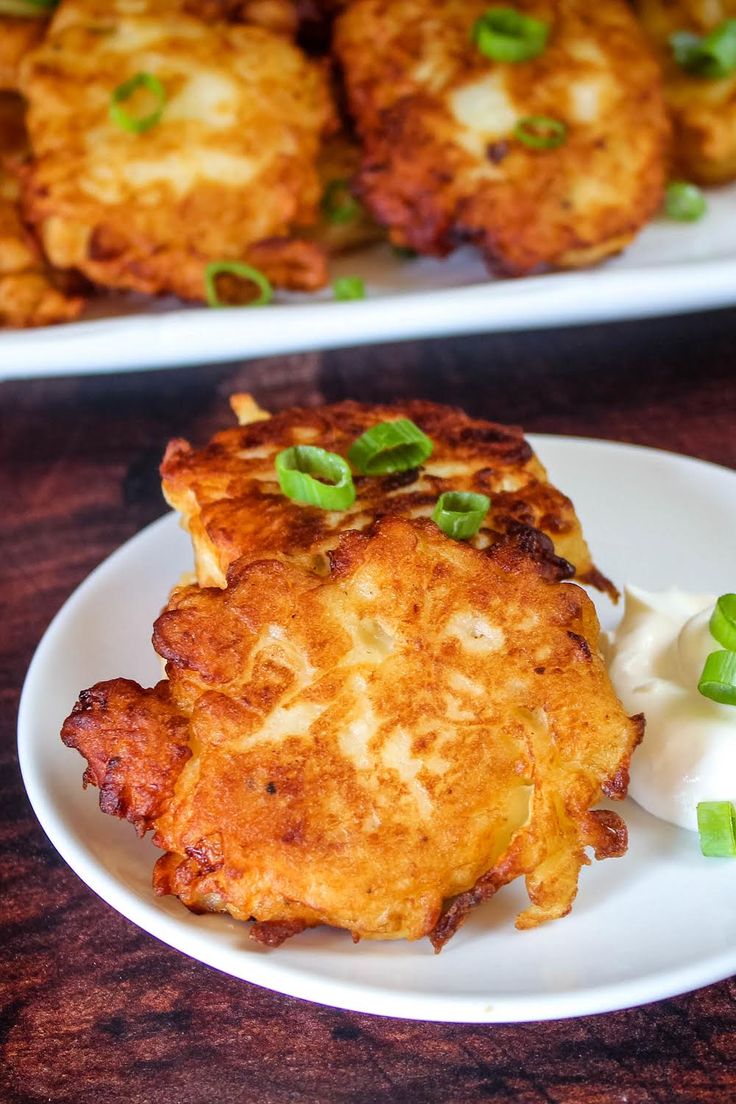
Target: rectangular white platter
x,y
670,269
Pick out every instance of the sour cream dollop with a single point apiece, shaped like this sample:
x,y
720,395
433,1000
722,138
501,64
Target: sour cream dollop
x,y
656,658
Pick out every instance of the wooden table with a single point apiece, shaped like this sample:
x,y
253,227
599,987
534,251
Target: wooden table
x,y
96,1012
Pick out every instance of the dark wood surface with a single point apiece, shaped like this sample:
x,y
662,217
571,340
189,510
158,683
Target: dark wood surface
x,y
93,1011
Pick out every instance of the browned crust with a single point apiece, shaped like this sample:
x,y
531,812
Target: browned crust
x,y
135,744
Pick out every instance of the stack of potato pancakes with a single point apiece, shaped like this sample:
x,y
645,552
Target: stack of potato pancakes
x,y
371,719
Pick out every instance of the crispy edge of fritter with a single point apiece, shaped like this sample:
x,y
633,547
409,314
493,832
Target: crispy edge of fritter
x,y
135,743
28,295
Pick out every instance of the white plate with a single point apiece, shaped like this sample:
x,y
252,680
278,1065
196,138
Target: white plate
x,y
660,921
671,268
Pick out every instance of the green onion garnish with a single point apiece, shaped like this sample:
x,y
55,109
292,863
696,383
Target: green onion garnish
x,y
718,680
404,252
712,56
349,287
137,124
301,469
540,132
31,8
339,205
390,447
504,34
243,272
717,828
723,622
460,514
684,202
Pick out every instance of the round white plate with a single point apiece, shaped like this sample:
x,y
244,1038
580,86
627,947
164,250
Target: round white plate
x,y
660,921
672,267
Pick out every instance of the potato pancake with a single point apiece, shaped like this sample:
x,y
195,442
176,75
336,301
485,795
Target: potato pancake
x,y
378,750
552,162
232,504
224,165
703,109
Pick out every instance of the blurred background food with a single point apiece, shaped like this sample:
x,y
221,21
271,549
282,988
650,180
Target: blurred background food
x,y
220,149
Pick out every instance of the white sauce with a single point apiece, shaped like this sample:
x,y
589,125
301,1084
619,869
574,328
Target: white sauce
x,y
689,749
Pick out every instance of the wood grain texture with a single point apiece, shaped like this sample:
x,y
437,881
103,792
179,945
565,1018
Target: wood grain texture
x,y
92,1011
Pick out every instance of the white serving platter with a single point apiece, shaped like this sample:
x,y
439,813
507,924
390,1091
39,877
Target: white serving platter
x,y
671,268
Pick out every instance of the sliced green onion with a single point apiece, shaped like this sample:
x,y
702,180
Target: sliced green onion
x,y
31,8
243,272
717,828
504,34
404,252
349,287
712,56
684,202
540,132
723,622
460,514
718,680
390,447
339,205
301,470
137,124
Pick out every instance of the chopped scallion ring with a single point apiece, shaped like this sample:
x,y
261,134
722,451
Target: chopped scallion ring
x,y
404,252
30,8
540,132
390,447
504,34
723,622
348,287
137,124
301,470
243,272
717,829
718,680
712,56
460,514
684,202
339,205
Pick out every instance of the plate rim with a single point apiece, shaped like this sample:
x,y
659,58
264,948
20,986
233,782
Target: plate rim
x,y
188,336
281,977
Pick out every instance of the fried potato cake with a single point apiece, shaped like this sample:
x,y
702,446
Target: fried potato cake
x,y
232,505
377,750
28,296
223,175
703,110
443,160
17,38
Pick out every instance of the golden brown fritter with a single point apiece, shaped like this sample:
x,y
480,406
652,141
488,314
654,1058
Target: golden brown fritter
x,y
27,295
442,162
369,749
231,503
17,38
225,173
703,110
